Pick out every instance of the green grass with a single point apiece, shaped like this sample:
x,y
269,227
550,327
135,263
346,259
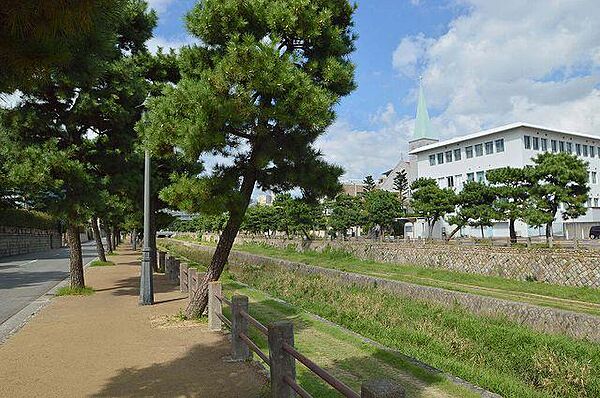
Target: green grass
x,y
580,299
74,291
493,353
98,263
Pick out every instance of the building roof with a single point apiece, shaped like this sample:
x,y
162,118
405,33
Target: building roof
x,y
495,130
422,123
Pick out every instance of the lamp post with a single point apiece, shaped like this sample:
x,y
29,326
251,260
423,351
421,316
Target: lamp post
x,y
146,283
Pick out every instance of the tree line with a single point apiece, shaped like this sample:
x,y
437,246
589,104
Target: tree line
x,y
255,92
556,184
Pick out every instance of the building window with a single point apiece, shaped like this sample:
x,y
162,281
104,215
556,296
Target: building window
x,y
569,147
489,148
599,151
592,151
469,152
480,176
594,177
536,143
554,146
527,141
544,143
500,145
561,146
457,155
450,181
585,150
578,149
448,156
441,182
470,176
458,180
440,158
432,160
479,150
595,202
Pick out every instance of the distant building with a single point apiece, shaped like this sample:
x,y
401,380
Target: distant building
x,y
455,161
353,188
265,199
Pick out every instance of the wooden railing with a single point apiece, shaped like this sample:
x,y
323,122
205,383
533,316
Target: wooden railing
x,y
282,355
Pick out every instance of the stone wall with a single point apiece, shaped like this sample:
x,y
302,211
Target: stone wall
x,y
569,267
544,319
14,241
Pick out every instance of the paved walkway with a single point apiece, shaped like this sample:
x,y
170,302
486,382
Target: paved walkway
x,y
106,345
26,277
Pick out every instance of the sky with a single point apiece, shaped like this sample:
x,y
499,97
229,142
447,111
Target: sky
x,y
484,63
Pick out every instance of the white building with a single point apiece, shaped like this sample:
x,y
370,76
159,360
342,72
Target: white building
x,y
458,160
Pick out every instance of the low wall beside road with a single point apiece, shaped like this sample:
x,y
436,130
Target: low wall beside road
x,y
14,240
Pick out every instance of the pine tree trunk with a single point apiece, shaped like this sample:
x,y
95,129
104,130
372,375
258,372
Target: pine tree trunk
x,y
114,238
199,299
454,231
98,239
109,244
75,258
512,231
482,235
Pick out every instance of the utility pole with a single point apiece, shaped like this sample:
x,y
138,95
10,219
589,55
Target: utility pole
x,y
146,283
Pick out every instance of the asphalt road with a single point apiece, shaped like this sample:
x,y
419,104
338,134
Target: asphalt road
x,y
26,277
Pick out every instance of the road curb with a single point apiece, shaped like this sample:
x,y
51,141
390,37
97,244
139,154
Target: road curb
x,y
20,319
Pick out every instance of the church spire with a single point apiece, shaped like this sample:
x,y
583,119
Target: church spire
x,y
422,123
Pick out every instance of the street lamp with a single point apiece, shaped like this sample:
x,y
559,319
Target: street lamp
x,y
146,283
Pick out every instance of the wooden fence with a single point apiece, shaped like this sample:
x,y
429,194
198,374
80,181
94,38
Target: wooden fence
x,y
282,355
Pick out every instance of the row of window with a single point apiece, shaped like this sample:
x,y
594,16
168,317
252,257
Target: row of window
x,y
537,144
479,176
470,151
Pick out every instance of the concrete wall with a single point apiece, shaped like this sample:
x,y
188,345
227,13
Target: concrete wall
x,y
14,241
569,267
543,319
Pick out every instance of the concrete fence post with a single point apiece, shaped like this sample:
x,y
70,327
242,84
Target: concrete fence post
x,y
529,241
192,281
161,261
214,306
381,389
175,269
239,324
168,260
282,364
183,278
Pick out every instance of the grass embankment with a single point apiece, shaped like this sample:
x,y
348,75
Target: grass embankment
x,y
98,263
74,291
580,299
344,354
495,354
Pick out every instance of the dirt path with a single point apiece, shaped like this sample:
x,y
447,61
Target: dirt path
x,y
105,345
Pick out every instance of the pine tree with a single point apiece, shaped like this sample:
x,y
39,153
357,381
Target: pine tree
x,y
258,91
369,184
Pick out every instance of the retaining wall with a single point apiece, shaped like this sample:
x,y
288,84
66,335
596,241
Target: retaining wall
x,y
569,267
14,241
544,319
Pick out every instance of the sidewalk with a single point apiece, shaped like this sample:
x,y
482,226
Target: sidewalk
x,y
106,345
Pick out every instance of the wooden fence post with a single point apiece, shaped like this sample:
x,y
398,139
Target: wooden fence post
x,y
239,324
283,365
381,389
214,306
161,261
184,285
168,265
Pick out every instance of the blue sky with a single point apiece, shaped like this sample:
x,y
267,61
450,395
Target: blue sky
x,y
484,63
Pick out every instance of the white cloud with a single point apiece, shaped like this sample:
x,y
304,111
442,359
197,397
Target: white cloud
x,y
160,6
166,44
511,61
367,152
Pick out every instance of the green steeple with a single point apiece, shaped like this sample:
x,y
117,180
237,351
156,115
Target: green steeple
x,y
422,123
